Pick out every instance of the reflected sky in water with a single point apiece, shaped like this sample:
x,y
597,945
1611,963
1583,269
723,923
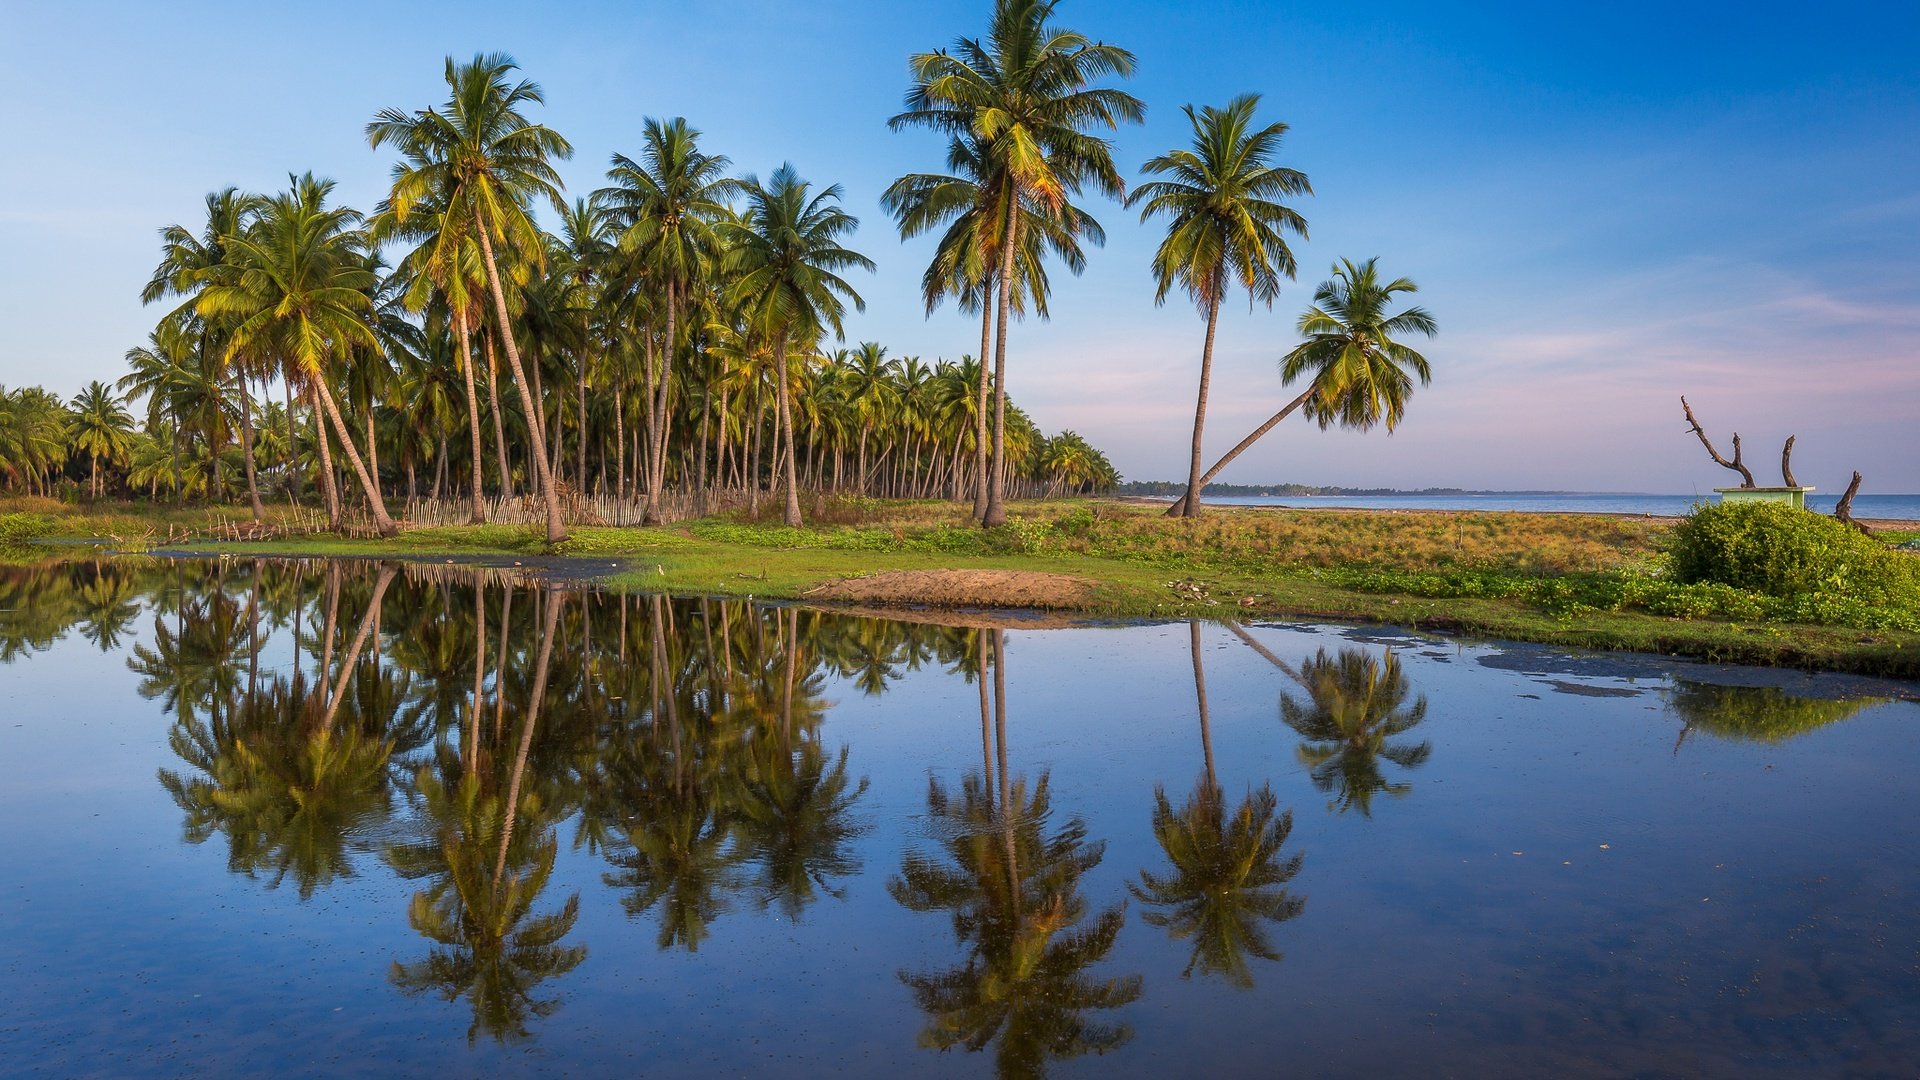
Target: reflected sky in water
x,y
350,818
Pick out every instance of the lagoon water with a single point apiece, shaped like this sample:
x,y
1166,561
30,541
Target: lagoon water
x,y
353,819
1883,507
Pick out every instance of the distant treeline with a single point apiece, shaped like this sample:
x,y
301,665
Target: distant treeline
x,y
1173,489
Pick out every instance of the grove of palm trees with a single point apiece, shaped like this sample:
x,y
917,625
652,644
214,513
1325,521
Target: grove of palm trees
x,y
485,344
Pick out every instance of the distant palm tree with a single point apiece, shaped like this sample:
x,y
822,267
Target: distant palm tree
x,y
1361,375
1227,226
787,258
1027,93
489,163
99,426
300,293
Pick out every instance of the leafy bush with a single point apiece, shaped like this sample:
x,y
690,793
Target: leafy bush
x,y
1787,553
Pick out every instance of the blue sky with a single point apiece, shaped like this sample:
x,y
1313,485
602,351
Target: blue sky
x,y
1604,208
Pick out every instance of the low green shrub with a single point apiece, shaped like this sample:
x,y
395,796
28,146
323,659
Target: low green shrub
x,y
1783,552
17,529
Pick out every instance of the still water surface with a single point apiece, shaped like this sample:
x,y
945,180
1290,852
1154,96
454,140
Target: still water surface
x,y
346,819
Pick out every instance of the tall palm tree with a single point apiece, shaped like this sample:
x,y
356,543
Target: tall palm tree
x,y
786,255
1027,93
665,208
159,373
1226,226
1361,375
300,294
189,264
99,426
490,163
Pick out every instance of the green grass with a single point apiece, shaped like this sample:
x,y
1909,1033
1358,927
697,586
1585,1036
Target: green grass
x,y
1587,581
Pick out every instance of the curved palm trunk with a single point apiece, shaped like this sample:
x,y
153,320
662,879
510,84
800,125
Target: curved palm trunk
x,y
374,503
980,417
556,532
1190,504
246,451
1179,506
359,645
478,516
526,735
996,488
786,425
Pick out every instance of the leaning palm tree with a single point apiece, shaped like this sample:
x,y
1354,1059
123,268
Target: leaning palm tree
x,y
665,208
1027,93
99,426
786,255
1226,226
489,164
1361,375
300,293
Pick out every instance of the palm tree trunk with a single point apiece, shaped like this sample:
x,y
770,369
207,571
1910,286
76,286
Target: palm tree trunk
x,y
1200,691
499,420
541,667
620,443
359,644
658,481
580,426
327,488
996,488
786,424
378,507
478,514
980,415
373,449
556,532
246,450
1191,503
1179,505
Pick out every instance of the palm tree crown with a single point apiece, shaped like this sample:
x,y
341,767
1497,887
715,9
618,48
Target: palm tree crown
x,y
1364,376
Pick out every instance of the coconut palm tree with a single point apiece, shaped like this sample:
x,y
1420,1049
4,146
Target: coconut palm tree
x,y
489,163
665,208
188,265
785,252
300,294
1362,376
1226,226
1027,92
99,426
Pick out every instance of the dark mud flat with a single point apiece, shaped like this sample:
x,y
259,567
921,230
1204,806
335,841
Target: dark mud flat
x,y
339,817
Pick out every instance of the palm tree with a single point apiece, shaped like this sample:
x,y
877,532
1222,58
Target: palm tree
x,y
665,208
964,263
159,372
1027,94
489,163
788,260
189,264
1361,375
300,293
99,426
1226,226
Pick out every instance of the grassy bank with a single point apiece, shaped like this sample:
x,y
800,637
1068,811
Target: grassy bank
x,y
1591,581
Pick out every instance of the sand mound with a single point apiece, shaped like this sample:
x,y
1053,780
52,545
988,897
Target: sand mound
x,y
960,588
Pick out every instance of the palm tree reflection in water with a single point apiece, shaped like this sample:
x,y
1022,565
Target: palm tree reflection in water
x,y
1228,881
1356,705
1012,887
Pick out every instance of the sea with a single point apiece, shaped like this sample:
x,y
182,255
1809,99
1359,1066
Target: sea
x,y
1881,507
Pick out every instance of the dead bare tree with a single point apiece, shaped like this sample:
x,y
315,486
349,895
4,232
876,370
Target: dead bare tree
x,y
1786,462
1746,475
1843,512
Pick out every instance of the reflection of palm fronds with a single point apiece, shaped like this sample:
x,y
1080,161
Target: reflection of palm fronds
x,y
1357,701
1228,880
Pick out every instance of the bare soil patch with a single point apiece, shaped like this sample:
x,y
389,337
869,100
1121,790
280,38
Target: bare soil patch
x,y
961,588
